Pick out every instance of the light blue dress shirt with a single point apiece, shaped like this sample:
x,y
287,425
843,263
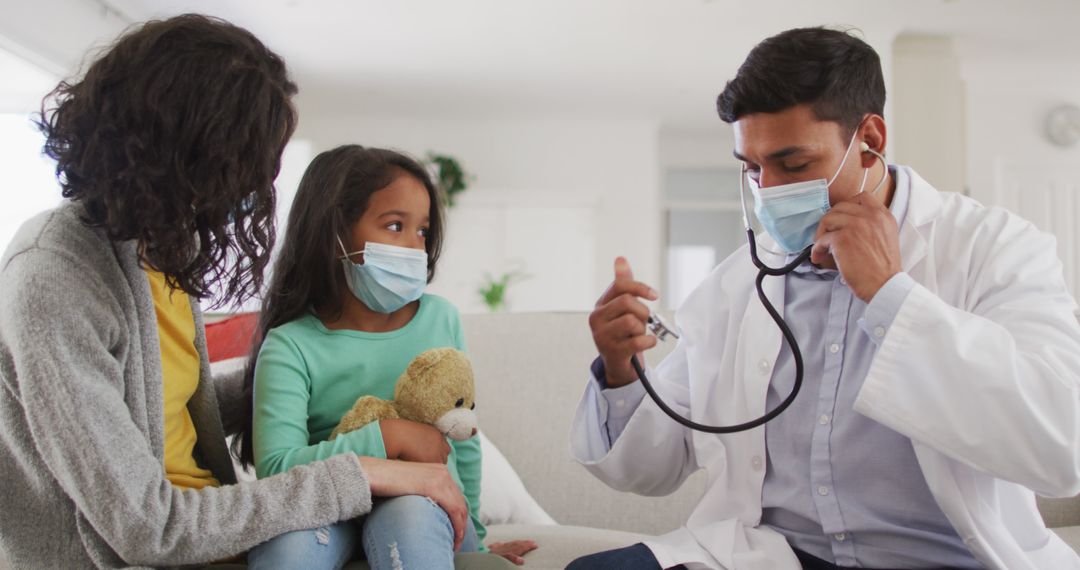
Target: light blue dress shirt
x,y
838,485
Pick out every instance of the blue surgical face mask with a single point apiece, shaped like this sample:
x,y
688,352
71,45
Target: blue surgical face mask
x,y
791,212
390,277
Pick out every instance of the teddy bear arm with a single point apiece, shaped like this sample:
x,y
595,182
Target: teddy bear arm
x,y
366,410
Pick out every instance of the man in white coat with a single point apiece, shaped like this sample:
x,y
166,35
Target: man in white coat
x,y
941,355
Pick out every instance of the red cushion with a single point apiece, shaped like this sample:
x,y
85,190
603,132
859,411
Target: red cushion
x,y
231,337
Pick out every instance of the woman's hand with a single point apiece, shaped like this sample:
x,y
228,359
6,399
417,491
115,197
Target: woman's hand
x,y
513,550
413,441
389,478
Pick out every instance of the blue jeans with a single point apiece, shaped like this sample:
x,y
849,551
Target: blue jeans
x,y
403,532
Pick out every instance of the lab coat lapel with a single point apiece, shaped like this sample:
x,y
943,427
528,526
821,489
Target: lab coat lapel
x,y
761,338
924,205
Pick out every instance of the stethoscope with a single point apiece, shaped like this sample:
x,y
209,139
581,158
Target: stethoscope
x,y
661,330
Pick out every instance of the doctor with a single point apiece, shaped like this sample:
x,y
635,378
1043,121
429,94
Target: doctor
x,y
942,357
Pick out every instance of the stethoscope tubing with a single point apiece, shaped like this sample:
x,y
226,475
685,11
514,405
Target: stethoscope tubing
x,y
763,271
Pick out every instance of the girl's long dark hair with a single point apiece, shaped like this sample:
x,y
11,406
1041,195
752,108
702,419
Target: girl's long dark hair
x,y
307,276
173,137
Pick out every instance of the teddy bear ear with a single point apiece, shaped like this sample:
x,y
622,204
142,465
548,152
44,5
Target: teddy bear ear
x,y
427,359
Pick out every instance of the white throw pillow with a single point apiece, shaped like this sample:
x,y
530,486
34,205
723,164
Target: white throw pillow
x,y
503,497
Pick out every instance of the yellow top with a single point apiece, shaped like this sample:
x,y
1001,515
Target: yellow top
x,y
180,373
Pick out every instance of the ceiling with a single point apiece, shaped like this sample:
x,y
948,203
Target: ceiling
x,y
655,60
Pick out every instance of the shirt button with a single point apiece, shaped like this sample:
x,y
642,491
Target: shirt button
x,y
824,419
840,536
763,366
620,403
757,463
823,490
879,332
834,348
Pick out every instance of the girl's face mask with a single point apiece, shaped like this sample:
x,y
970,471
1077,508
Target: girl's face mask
x,y
390,277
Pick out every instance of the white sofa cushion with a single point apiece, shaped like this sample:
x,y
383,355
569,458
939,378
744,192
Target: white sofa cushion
x,y
1070,534
503,497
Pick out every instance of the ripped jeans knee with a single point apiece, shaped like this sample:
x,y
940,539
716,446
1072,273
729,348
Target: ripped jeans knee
x,y
324,548
411,532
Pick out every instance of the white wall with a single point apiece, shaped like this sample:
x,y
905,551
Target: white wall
x,y
27,180
699,148
606,167
1010,161
37,48
58,35
1007,105
929,105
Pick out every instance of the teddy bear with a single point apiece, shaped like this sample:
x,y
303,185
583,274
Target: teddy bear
x,y
436,388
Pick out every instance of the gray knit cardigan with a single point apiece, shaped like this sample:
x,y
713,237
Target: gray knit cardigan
x,y
82,482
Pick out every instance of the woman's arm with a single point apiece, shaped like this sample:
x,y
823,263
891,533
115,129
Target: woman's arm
x,y
61,331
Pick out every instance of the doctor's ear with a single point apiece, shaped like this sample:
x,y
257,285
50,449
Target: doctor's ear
x,y
873,136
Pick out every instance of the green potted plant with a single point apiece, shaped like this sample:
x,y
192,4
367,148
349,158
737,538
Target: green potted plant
x,y
493,290
449,175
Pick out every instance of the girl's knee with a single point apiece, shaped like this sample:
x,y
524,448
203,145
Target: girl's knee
x,y
415,509
408,532
411,512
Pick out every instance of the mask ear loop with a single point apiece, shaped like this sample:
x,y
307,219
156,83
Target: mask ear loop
x,y
885,173
345,253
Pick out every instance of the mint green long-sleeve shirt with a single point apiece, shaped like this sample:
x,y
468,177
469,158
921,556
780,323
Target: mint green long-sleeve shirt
x,y
307,377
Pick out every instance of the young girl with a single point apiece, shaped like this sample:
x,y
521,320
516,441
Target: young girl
x,y
345,314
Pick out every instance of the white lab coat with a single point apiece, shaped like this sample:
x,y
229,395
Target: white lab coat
x,y
980,369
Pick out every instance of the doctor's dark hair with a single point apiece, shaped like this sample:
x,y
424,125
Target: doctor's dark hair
x,y
307,276
173,137
836,73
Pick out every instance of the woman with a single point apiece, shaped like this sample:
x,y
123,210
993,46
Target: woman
x,y
113,429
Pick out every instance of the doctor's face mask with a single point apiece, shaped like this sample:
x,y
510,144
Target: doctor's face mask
x,y
787,203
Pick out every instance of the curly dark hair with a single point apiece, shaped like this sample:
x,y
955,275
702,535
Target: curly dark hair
x,y
173,137
836,73
308,276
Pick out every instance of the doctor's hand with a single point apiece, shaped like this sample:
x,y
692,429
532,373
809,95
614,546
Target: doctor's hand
x,y
859,237
618,325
